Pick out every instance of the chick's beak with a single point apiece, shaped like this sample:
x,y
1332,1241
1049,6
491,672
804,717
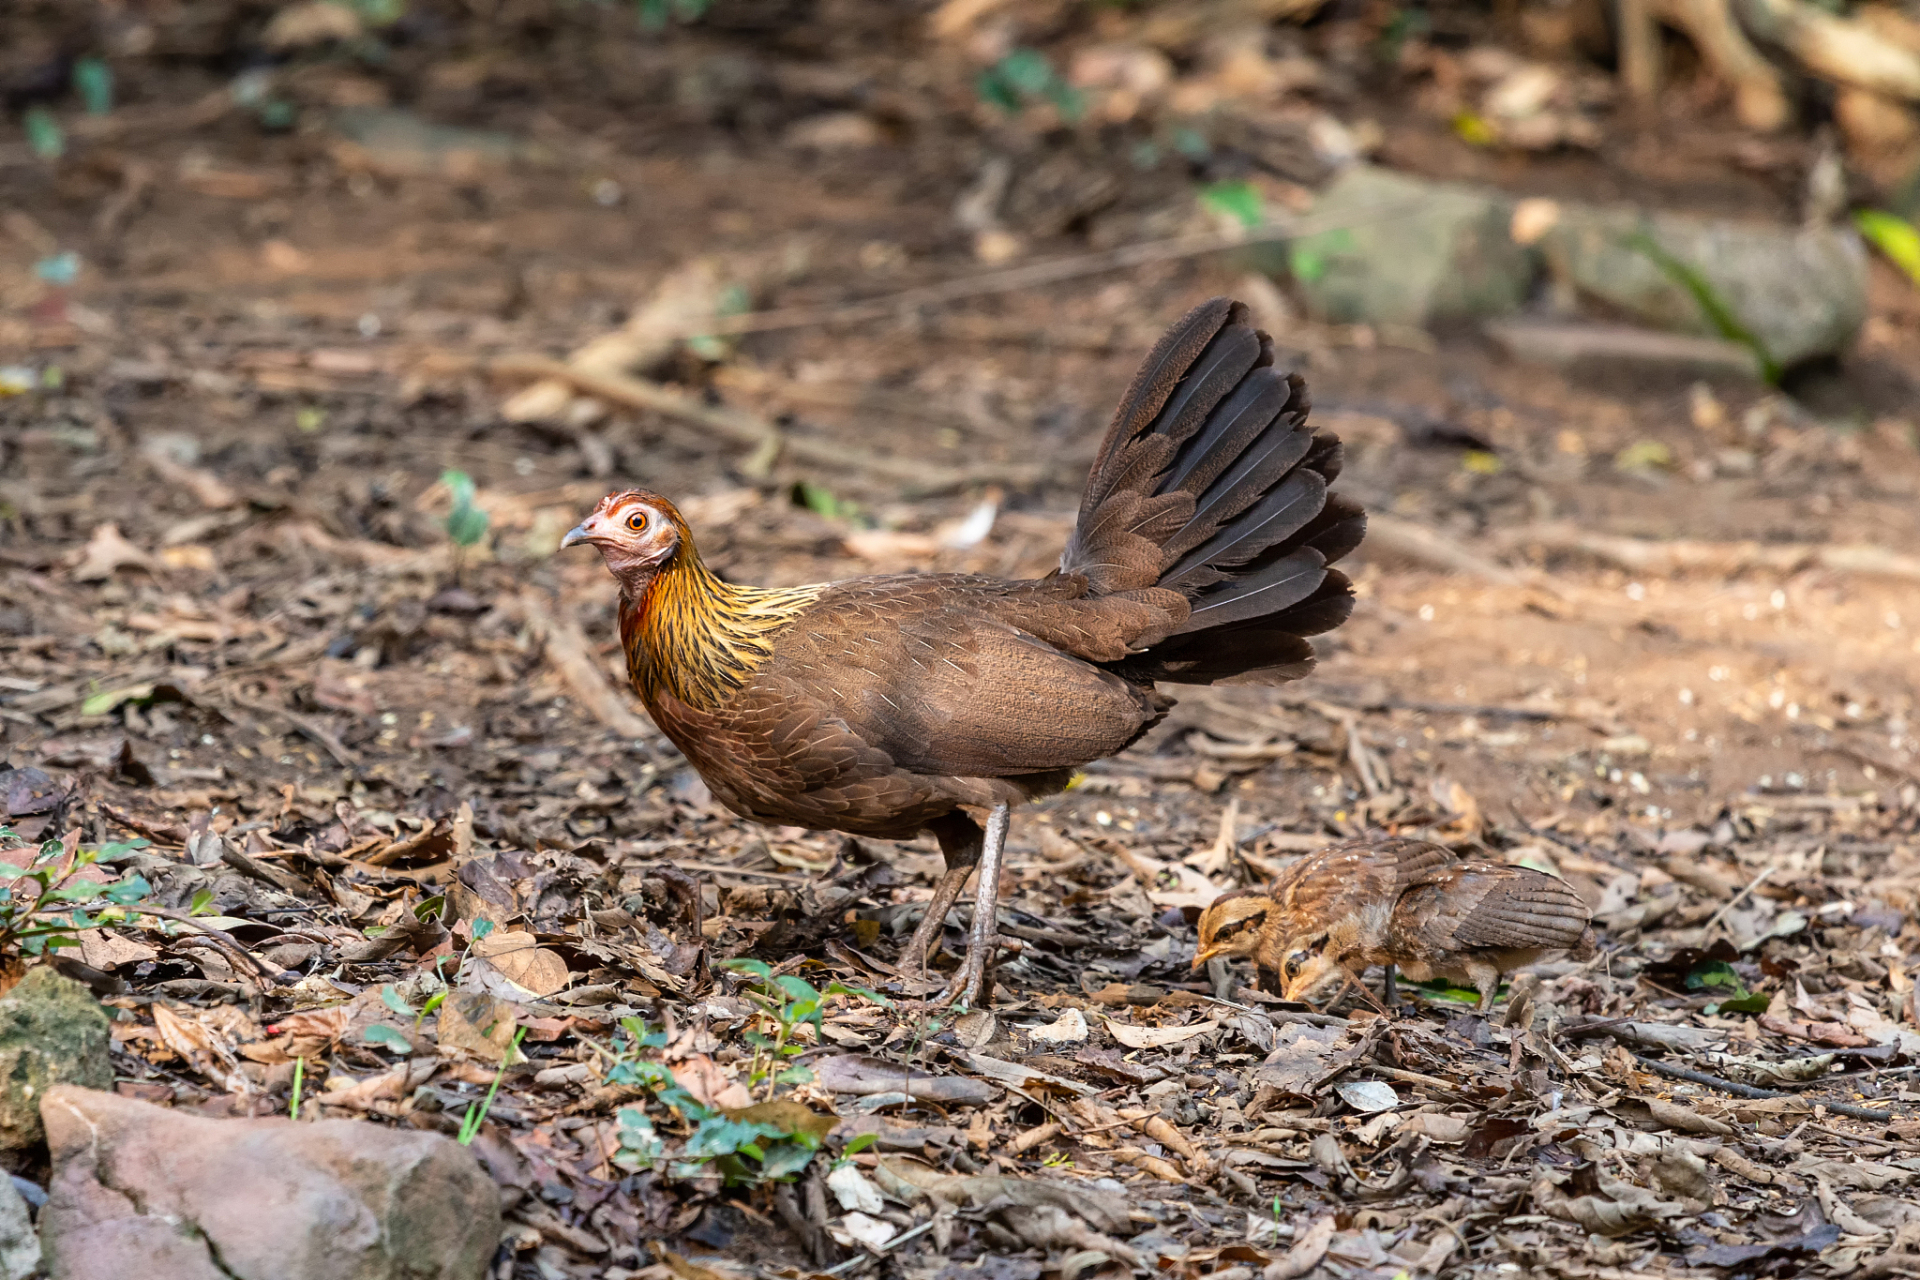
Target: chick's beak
x,y
1203,955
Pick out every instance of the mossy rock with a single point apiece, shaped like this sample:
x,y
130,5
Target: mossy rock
x,y
52,1031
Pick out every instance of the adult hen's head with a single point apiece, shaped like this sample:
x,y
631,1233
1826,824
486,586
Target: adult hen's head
x,y
638,533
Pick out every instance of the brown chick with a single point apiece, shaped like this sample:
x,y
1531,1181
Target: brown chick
x,y
1326,911
1477,921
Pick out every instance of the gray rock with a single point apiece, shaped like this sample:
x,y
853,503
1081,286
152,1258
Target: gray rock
x,y
1801,292
1407,251
52,1031
19,1246
140,1190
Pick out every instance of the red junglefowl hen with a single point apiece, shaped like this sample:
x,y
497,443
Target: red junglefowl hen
x,y
890,705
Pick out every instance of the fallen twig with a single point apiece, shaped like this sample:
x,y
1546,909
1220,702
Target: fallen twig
x,y
1433,549
1749,1091
566,648
1725,558
741,427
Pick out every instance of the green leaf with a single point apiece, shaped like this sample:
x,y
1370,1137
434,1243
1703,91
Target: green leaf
x,y
1234,199
382,1034
846,989
93,81
394,1001
798,988
784,1160
43,134
1893,236
1751,1002
860,1143
202,903
481,928
466,524
719,1136
758,968
128,891
1473,130
1643,455
120,851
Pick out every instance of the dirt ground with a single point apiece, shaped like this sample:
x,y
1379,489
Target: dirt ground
x,y
1664,668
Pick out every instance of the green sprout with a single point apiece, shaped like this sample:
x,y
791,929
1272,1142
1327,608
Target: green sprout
x,y
466,524
477,1112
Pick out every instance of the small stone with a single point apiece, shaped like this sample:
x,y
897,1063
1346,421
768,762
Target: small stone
x,y
1402,250
19,1246
52,1031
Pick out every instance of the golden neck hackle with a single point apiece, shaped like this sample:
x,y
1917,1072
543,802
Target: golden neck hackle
x,y
700,639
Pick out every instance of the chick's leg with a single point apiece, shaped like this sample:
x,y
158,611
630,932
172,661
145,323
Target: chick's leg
x,y
960,840
1393,996
965,989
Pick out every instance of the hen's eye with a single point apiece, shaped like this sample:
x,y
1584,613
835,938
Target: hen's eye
x,y
1295,963
637,522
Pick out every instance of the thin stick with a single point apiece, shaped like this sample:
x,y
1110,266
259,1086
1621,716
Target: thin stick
x,y
1734,901
1033,275
1748,1091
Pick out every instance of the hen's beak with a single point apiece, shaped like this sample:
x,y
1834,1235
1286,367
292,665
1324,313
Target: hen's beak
x,y
582,532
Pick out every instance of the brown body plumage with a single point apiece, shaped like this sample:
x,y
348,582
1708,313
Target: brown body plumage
x,y
885,706
1399,903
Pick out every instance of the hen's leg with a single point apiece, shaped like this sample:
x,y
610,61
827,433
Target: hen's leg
x,y
960,839
1393,996
965,988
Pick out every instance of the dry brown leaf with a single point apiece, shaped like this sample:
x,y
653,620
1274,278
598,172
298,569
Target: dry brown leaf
x,y
1686,1119
107,950
208,1051
1600,1204
476,1023
523,961
106,553
710,1084
1156,1037
1309,1247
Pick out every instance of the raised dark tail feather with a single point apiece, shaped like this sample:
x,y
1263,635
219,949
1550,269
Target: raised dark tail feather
x,y
1211,483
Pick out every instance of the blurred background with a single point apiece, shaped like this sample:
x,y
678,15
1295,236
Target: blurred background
x,y
321,322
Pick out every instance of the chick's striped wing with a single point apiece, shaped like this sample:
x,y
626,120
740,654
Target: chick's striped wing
x,y
1353,876
1489,905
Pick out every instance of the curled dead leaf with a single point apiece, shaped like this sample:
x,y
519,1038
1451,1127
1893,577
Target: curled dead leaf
x,y
1595,1202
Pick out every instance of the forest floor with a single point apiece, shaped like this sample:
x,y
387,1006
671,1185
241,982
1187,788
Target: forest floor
x,y
228,605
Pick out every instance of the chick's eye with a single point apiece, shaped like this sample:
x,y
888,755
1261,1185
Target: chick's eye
x,y
637,522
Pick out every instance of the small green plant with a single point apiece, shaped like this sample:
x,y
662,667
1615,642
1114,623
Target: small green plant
x,y
1718,975
1894,236
655,14
93,81
466,524
299,1078
789,1003
44,135
44,905
767,1142
1237,199
1057,1160
1025,76
398,1003
1308,258
477,1112
1718,311
821,501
